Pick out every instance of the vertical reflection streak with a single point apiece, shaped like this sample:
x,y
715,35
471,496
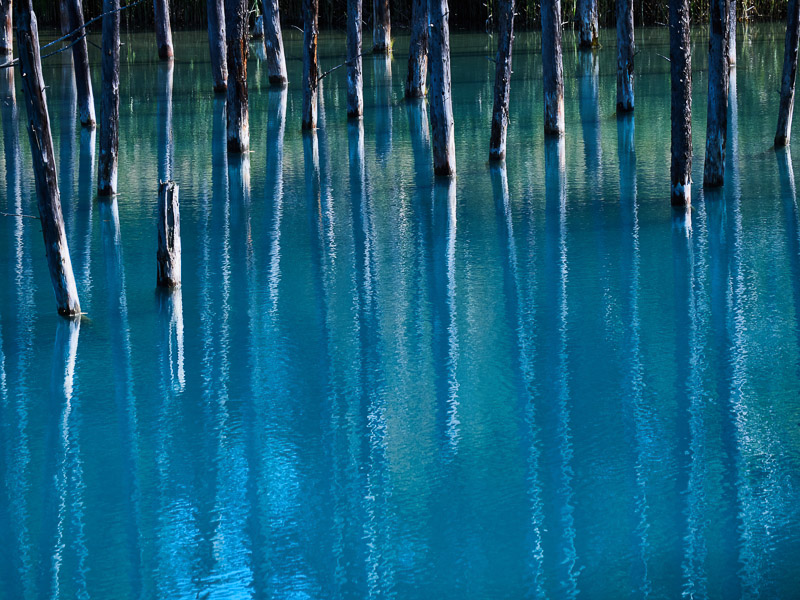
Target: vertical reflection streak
x,y
166,142
85,204
275,135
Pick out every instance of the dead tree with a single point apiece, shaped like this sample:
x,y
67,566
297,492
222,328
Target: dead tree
x,y
355,84
169,236
6,28
276,61
310,66
732,34
444,145
381,27
718,77
109,105
502,81
626,50
416,83
789,72
552,68
237,104
163,29
680,55
80,58
63,17
216,45
587,24
44,165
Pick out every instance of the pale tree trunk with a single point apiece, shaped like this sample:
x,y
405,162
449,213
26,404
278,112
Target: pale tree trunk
x,y
44,166
237,103
680,55
444,146
216,44
163,29
168,256
276,61
626,49
732,34
587,23
109,105
552,68
789,72
502,81
416,83
718,77
355,84
310,67
381,27
6,28
80,57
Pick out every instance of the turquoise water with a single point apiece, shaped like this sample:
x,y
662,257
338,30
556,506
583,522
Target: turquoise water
x,y
536,381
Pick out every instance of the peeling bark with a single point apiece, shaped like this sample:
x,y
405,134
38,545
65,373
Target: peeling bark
x,y
444,148
502,81
6,28
310,66
680,55
237,103
168,256
587,24
355,83
732,34
552,68
273,40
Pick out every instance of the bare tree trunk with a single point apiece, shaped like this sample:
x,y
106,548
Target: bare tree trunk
x,y
552,68
680,54
626,49
216,44
718,77
163,29
109,105
6,28
237,104
416,84
587,24
276,61
80,56
732,34
310,67
381,27
502,81
355,84
63,17
44,165
789,72
169,236
444,146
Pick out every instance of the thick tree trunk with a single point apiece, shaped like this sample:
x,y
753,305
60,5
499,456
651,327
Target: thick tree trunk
x,y
444,144
587,24
732,33
276,61
552,68
237,104
6,29
502,81
216,44
169,236
718,77
310,67
416,83
44,166
680,55
355,84
381,27
109,105
163,29
626,49
80,57
789,72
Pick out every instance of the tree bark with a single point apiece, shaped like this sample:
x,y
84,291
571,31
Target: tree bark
x,y
502,81
587,24
416,84
444,147
63,17
258,28
718,77
216,45
626,49
237,103
169,236
681,102
552,68
789,72
6,29
732,34
276,61
44,166
80,57
381,27
109,105
310,67
355,84
163,29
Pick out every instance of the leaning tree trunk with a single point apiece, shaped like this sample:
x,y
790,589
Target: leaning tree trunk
x,y
502,81
732,34
626,50
80,56
163,29
789,72
6,29
310,67
681,73
718,77
44,165
216,44
381,27
416,83
276,61
444,147
109,105
355,84
587,23
237,104
552,68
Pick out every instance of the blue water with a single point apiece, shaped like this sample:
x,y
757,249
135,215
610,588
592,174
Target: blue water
x,y
535,381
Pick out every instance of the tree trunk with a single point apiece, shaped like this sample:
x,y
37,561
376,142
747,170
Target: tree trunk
x,y
355,84
258,28
789,72
502,81
44,165
63,17
80,57
310,67
587,24
718,74
416,84
626,49
680,55
276,61
163,29
552,68
169,236
216,45
381,27
109,105
6,29
444,146
237,104
732,34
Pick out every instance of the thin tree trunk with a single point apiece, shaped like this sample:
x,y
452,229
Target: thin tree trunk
x,y
626,49
732,34
276,61
789,72
681,73
444,147
587,23
44,165
80,57
216,44
169,236
237,104
416,84
502,81
381,27
310,67
6,28
355,84
552,68
63,17
718,77
109,105
163,29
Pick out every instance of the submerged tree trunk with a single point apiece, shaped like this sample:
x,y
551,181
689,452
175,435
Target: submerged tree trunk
x,y
587,23
718,77
80,57
381,27
163,29
168,256
732,33
444,147
310,67
552,68
789,72
63,17
626,49
44,165
416,83
502,81
6,29
355,84
681,102
216,44
109,106
237,104
276,61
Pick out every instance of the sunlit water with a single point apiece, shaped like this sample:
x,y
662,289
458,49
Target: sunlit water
x,y
536,381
